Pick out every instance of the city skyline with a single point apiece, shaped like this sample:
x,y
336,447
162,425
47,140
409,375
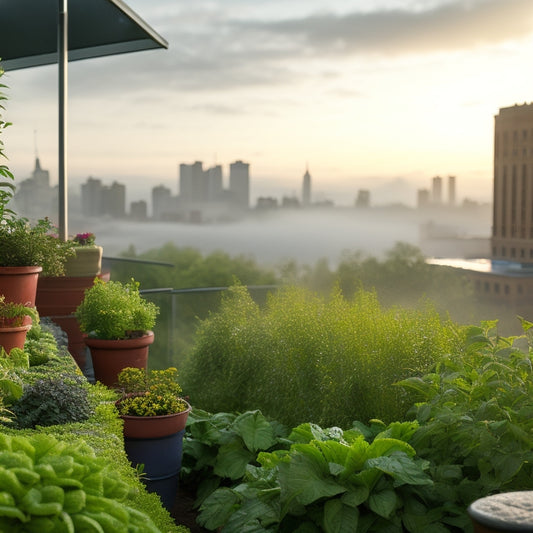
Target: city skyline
x,y
366,93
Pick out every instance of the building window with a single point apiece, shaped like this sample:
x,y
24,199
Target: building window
x,y
506,289
504,251
487,286
513,252
519,289
522,253
497,288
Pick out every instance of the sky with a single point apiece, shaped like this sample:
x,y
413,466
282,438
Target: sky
x,y
376,94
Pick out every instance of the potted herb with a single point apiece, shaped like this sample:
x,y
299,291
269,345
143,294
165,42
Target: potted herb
x,y
15,321
154,417
117,322
150,402
87,261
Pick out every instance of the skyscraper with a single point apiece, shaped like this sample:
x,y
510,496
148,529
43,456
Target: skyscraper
x,y
193,183
436,190
239,183
512,227
306,189
451,190
214,183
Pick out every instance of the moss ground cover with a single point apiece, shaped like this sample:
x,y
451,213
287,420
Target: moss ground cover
x,y
304,358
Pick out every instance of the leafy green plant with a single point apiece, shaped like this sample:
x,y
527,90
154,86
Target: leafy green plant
x,y
48,485
476,417
24,244
305,358
53,401
12,314
149,393
330,480
218,447
40,345
113,310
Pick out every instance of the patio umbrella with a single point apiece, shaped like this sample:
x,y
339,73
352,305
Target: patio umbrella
x,y
41,32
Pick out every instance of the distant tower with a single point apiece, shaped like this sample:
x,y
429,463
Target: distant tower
x,y
92,203
115,200
193,183
363,198
437,190
161,202
41,178
213,178
239,183
423,199
451,190
512,226
306,189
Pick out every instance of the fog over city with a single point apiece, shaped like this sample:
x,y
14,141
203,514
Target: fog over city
x,y
271,238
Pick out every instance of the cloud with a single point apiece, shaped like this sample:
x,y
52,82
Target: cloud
x,y
461,24
220,46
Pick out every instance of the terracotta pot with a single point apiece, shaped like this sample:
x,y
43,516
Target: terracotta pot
x,y
19,284
14,337
86,263
111,356
152,427
58,297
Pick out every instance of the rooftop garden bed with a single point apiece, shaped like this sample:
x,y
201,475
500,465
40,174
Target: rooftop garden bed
x,y
62,460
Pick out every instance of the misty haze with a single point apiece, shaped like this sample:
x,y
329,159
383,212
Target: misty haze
x,y
302,235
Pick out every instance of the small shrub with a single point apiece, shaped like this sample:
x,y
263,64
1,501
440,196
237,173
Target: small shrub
x,y
53,401
305,358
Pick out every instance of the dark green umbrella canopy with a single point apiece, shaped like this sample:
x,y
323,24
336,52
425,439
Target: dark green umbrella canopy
x,y
29,31
41,32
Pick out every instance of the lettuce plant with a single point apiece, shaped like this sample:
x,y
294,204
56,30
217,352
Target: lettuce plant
x,y
48,485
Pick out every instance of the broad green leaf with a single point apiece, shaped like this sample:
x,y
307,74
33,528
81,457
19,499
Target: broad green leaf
x,y
256,513
383,503
306,477
507,466
232,460
307,432
271,460
403,469
333,451
387,446
425,389
217,508
449,472
355,496
255,430
340,518
399,430
355,459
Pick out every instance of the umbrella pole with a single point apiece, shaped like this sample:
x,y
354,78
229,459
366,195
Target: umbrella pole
x,y
62,46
